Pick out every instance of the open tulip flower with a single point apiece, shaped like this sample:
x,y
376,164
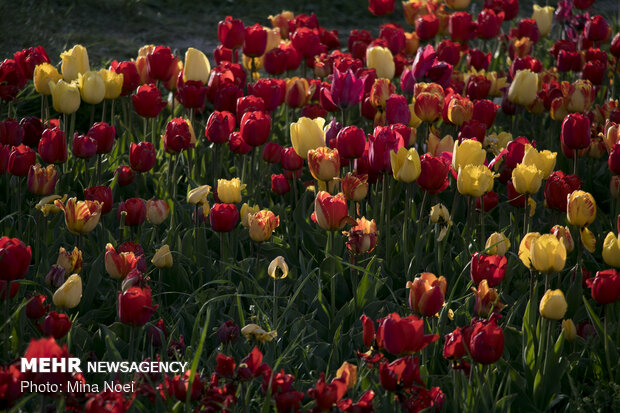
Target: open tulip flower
x,y
81,217
426,293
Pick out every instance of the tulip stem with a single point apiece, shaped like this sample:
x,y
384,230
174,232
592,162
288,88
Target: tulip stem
x,y
111,112
482,224
574,161
329,253
419,229
406,217
275,305
606,343
19,205
103,105
526,216
132,340
382,209
92,115
98,171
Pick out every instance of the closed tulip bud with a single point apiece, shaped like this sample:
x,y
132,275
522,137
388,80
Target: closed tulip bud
x,y
297,92
405,164
147,101
43,75
486,300
219,126
544,18
581,208
179,136
526,179
324,163
278,269
196,66
563,234
229,191
553,305
230,32
92,87
439,214
262,224
524,88
355,187
255,42
468,152
74,62
103,134
569,330
135,209
497,244
427,26
246,211
81,217
113,83
581,96
255,128
162,257
605,286
436,146
611,250
381,59
575,132
42,181
474,180
36,307
142,156
460,109
71,262
65,96
84,146
426,294
307,134
428,106
547,253
331,212
119,264
135,306
69,294
279,184
272,152
157,211
588,239
14,258
224,217
362,237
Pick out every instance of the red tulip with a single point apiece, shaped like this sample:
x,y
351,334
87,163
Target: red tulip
x,y
449,52
192,93
427,293
219,126
178,136
368,333
255,128
461,26
231,33
330,212
488,267
101,193
401,374
594,71
434,174
397,110
5,152
33,129
558,187
48,348
147,101
14,259
42,181
228,332
224,217
272,92
21,158
427,27
403,335
567,61
135,306
383,141
275,61
526,28
326,395
605,286
491,199
351,142
583,4
36,308
29,58
237,145
394,35
380,7
485,111
575,132
290,160
53,146
12,80
142,156
597,29
255,41
614,48
56,325
478,59
307,42
454,347
103,134
180,384
11,132
84,146
223,54
489,24
135,209
272,152
477,87
160,64
131,77
486,343
124,174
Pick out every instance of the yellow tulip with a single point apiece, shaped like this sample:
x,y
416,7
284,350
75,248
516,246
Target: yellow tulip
x,y
65,96
468,152
69,294
414,120
246,210
569,329
405,164
163,257
43,74
256,332
526,179
351,374
497,244
474,180
553,305
273,38
525,247
543,160
74,62
81,217
229,190
46,204
196,66
524,88
307,134
70,262
262,224
588,239
439,214
547,253
92,87
276,264
580,208
611,250
324,163
113,83
198,195
458,4
381,59
581,95
544,18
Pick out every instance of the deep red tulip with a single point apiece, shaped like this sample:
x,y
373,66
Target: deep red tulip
x,y
14,259
135,209
231,33
368,331
614,159
307,42
478,59
327,395
272,152
398,335
103,134
147,101
219,126
473,129
178,136
255,128
125,175
488,267
575,132
272,92
48,348
12,80
397,110
489,24
226,95
293,57
36,307
514,198
614,48
605,286
135,306
486,343
401,374
394,35
191,93
567,61
101,193
53,146
255,41
5,152
275,61
237,145
491,199
56,325
485,111
228,332
223,54
380,7
21,158
597,29
180,385
427,27
383,141
290,160
455,346
279,184
433,174
84,146
461,27
11,132
583,4
449,52
160,63
249,103
351,142
8,293
142,156
594,71
29,58
33,129
131,77
223,217
358,41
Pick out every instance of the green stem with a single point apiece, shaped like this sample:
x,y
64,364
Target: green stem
x,y
406,217
606,343
132,341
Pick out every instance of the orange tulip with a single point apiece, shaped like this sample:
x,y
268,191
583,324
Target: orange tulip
x,y
427,293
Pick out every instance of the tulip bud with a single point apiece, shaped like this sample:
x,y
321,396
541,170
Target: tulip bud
x,y
324,163
544,18
523,88
279,184
196,66
381,59
405,164
526,179
113,83
569,330
65,96
426,294
553,305
486,300
262,224
162,257
74,62
43,75
307,134
581,208
229,191
355,187
157,211
497,244
474,180
611,250
563,234
547,253
69,294
92,87
278,269
588,239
